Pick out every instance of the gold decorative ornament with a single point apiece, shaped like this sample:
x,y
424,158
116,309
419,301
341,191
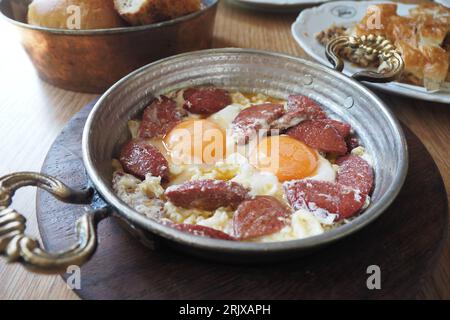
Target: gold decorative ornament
x,y
17,247
370,48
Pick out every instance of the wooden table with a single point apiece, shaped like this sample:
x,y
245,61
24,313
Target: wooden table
x,y
32,113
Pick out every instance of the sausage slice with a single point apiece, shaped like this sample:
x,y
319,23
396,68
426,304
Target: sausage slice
x,y
355,172
140,158
259,216
159,118
203,231
319,135
205,100
207,194
335,198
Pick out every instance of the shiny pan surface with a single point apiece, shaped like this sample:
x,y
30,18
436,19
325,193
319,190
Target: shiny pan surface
x,y
246,70
93,60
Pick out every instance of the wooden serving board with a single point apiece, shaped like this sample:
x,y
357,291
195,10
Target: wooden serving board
x,y
404,242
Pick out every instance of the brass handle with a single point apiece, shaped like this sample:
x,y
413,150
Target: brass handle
x,y
17,247
369,47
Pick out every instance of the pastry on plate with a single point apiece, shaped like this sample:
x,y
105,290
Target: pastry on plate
x,y
422,38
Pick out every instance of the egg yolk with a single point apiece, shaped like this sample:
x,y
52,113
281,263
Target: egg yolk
x,y
195,141
286,157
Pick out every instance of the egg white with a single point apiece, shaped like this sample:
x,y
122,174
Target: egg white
x,y
225,117
325,170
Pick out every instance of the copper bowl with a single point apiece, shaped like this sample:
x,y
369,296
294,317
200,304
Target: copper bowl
x,y
93,60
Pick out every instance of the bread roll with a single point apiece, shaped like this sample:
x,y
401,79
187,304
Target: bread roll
x,y
140,12
62,14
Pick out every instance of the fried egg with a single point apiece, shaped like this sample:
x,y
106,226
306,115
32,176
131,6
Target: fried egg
x,y
291,159
204,149
285,157
196,141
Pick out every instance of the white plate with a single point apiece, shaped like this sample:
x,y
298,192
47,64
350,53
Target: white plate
x,y
311,21
278,4
443,2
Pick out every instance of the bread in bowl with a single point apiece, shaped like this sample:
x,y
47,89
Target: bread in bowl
x,y
141,12
61,14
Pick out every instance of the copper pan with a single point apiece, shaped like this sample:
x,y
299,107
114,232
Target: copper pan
x,y
93,60
274,74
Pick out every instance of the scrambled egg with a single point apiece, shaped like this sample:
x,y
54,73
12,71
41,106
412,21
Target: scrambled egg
x,y
143,196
